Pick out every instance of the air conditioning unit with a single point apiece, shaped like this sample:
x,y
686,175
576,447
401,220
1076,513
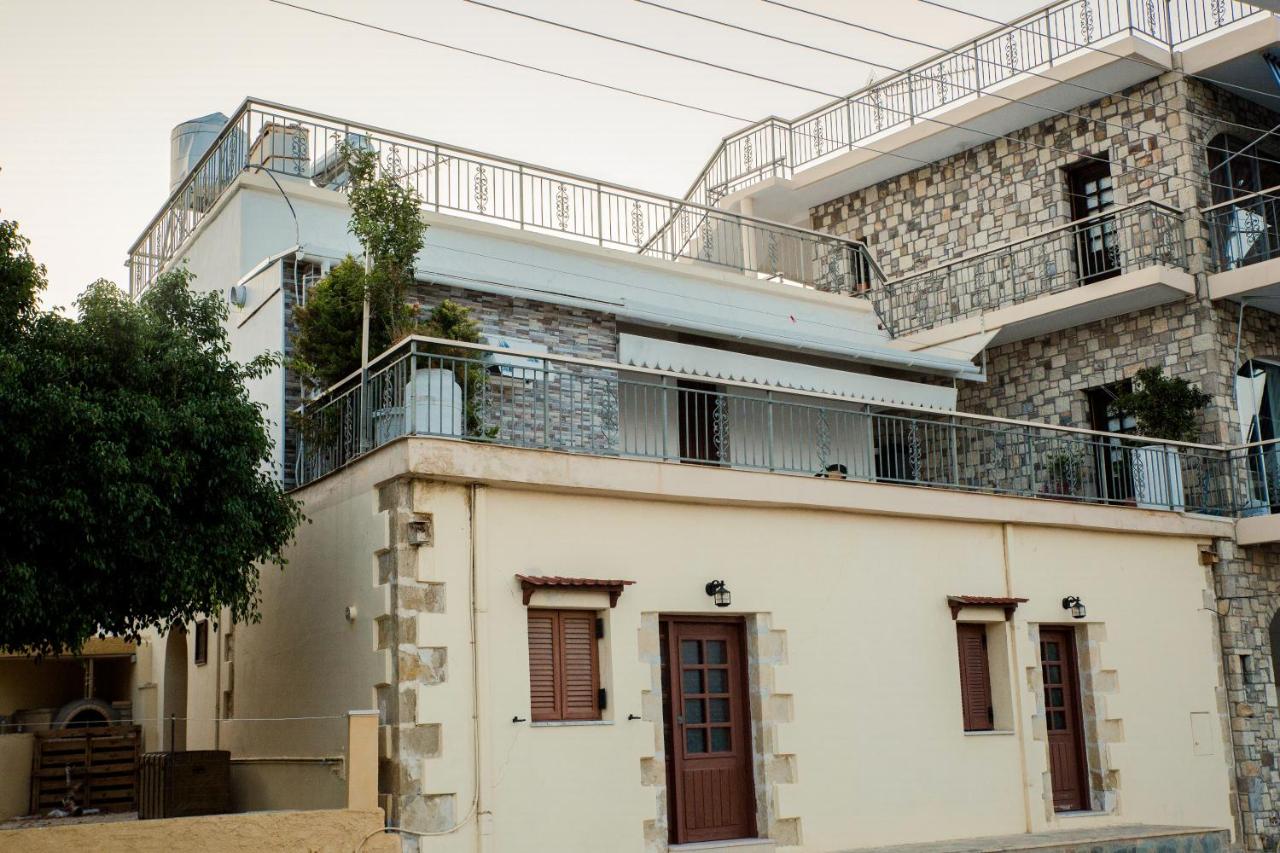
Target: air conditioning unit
x,y
528,368
331,170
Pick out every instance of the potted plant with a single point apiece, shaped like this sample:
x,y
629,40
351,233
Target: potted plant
x,y
1168,408
1064,468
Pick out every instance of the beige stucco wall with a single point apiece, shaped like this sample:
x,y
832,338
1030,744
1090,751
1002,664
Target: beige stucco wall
x,y
15,774
870,666
314,831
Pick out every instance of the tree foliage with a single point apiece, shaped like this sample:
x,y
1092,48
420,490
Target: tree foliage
x,y
386,217
1164,407
134,488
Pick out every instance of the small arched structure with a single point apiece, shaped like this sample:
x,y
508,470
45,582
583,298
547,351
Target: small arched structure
x,y
174,725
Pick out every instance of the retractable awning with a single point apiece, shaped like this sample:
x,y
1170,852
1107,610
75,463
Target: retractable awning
x,y
697,361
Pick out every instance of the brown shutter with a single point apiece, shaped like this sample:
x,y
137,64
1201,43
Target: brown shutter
x,y
564,673
543,695
975,677
578,663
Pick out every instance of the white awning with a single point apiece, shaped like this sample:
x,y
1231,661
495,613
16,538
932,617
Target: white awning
x,y
720,364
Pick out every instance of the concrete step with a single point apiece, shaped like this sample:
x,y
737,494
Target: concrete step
x,y
1110,839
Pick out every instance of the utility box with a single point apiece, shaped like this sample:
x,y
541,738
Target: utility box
x,y
184,784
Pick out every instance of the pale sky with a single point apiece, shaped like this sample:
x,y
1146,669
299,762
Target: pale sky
x,y
89,91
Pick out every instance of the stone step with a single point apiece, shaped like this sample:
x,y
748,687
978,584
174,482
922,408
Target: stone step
x,y
1109,839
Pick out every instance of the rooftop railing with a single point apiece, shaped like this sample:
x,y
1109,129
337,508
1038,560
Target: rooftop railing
x,y
429,387
306,145
1120,240
775,147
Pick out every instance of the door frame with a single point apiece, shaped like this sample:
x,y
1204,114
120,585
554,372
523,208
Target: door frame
x,y
673,780
1071,669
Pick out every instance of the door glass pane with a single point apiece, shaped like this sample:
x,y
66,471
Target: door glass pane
x,y
695,740
693,711
1053,674
1050,651
720,740
1057,720
719,710
1055,697
692,680
717,681
716,652
690,651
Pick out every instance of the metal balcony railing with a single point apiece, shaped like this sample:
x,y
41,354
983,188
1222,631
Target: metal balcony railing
x,y
429,387
775,147
1245,230
1119,240
306,145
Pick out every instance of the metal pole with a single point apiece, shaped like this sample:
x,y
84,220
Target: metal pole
x,y
364,360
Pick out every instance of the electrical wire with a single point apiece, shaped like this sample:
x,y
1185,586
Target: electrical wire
x,y
1101,93
751,74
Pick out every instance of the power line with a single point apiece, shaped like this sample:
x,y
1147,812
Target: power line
x,y
589,82
1012,139
1102,93
911,75
517,64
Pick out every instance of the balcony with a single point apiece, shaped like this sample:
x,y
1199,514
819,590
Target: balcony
x,y
304,146
960,97
1123,260
428,387
1245,237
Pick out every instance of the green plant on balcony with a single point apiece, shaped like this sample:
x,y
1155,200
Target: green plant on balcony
x,y
1164,407
1064,470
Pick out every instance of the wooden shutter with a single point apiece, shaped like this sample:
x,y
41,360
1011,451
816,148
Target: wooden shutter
x,y
975,677
543,695
564,673
580,684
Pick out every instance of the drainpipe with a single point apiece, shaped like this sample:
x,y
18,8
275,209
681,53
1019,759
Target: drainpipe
x,y
480,696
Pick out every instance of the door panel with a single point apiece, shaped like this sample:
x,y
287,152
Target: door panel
x,y
708,731
1068,766
1097,246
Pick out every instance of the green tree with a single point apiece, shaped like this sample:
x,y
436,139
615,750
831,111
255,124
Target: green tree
x,y
1164,407
134,488
386,217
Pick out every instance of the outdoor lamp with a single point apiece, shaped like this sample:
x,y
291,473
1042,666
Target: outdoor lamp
x,y
719,592
1075,605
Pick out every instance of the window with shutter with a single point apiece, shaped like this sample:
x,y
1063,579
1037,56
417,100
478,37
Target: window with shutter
x,y
564,671
975,677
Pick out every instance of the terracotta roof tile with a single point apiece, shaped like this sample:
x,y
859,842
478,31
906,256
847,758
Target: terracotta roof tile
x,y
530,583
955,602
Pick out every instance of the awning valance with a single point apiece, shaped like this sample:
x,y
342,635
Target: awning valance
x,y
722,364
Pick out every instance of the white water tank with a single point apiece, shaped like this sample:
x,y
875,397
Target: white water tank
x,y
189,141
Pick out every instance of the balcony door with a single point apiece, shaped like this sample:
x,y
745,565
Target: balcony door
x,y
1097,250
702,423
1249,231
1258,406
1113,465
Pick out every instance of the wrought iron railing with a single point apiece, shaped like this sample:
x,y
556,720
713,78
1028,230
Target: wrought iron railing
x,y
775,147
306,145
1245,230
1088,250
428,387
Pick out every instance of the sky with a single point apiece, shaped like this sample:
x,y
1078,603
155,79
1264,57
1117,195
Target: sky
x,y
89,91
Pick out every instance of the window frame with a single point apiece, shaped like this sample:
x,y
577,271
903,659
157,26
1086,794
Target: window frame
x,y
200,646
962,650
561,713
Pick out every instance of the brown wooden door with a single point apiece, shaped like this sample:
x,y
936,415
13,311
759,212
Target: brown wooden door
x,y
708,731
1068,766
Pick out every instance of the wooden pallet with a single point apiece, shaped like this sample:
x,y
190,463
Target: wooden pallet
x,y
101,761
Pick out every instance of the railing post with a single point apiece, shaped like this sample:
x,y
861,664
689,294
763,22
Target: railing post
x,y
1048,35
911,97
665,424
768,397
520,193
411,394
977,71
599,215
546,402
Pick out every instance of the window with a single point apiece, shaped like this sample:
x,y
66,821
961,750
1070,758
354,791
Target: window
x,y
975,677
564,666
202,642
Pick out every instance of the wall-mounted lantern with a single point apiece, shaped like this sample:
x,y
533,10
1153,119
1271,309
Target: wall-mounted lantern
x,y
1075,605
719,593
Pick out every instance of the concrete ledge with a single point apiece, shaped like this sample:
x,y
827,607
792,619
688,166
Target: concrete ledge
x,y
328,831
1115,839
740,845
1252,280
1258,530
